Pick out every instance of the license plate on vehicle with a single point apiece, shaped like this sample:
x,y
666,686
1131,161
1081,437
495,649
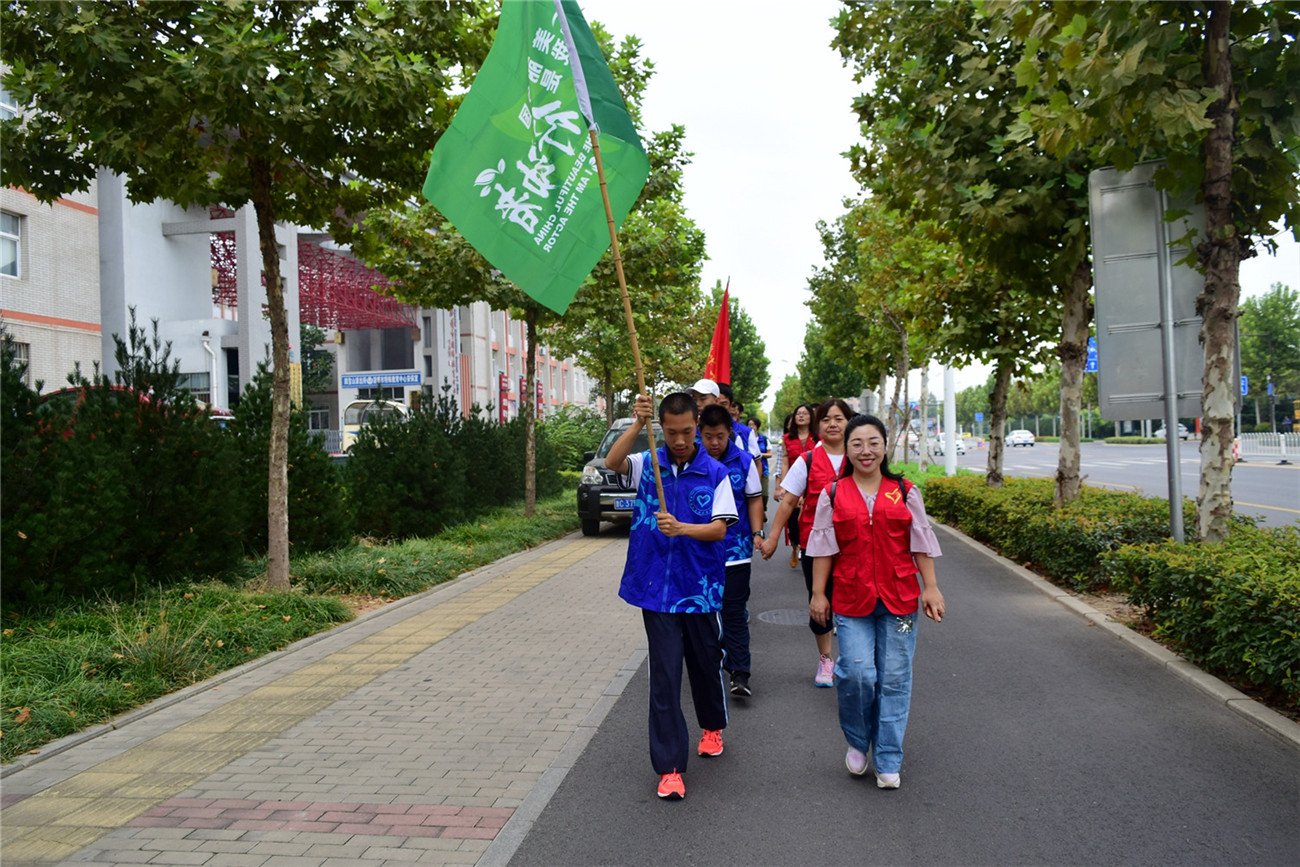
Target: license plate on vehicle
x,y
624,503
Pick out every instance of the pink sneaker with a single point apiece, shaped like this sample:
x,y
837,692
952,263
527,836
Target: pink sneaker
x,y
825,672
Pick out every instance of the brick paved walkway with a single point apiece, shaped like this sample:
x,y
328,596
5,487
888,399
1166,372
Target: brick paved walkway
x,y
431,731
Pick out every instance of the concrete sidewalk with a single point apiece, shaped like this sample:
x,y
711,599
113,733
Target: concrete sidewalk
x,y
437,729
419,733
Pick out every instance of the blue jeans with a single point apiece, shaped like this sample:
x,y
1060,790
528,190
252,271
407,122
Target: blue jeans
x,y
873,681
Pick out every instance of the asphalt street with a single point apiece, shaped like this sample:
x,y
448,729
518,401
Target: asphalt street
x,y
1260,486
1035,738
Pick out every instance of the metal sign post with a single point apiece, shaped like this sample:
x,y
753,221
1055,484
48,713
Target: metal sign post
x,y
1173,441
1146,309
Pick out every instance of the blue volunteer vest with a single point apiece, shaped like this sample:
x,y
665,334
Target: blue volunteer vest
x,y
740,535
675,575
740,435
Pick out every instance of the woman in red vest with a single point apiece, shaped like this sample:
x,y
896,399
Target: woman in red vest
x,y
799,437
805,478
870,532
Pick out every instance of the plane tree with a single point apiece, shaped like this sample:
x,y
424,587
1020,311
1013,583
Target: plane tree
x,y
1208,87
313,114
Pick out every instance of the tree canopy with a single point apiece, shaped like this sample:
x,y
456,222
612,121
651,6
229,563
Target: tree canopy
x,y
313,114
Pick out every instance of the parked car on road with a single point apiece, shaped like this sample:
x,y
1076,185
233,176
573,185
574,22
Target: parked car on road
x,y
599,496
960,448
1021,438
1183,432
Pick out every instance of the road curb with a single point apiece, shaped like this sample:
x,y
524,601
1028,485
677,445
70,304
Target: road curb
x,y
1236,700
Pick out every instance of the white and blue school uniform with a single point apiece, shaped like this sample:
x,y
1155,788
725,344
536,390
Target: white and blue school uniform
x,y
742,470
745,438
677,582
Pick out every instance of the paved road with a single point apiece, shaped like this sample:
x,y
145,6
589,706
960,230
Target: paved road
x,y
502,716
1035,738
1259,487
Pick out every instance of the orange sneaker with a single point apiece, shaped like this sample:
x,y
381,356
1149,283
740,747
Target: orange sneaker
x,y
711,743
672,787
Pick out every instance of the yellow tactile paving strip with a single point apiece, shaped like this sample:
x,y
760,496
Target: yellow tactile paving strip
x,y
58,822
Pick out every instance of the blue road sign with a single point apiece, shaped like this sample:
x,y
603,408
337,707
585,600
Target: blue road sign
x,y
979,416
1245,386
1090,366
1270,388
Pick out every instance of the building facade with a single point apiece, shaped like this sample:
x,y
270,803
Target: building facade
x,y
73,272
49,283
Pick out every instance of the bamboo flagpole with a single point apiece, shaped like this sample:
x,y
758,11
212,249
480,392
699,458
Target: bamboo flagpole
x,y
627,310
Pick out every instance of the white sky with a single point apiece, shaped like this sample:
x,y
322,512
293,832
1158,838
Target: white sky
x,y
766,106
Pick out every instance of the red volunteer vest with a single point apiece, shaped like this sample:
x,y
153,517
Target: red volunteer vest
x,y
875,559
820,474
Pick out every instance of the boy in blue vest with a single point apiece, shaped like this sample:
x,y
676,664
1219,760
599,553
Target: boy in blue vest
x,y
745,438
746,488
675,574
765,455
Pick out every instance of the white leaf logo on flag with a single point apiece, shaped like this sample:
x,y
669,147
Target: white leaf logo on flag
x,y
486,177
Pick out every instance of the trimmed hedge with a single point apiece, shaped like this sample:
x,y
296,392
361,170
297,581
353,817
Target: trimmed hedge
x,y
1020,521
438,468
1135,441
128,485
1232,606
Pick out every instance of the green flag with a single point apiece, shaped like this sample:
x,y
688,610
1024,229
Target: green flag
x,y
515,172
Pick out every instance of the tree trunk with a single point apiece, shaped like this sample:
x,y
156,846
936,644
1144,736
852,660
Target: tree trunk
x,y
277,489
997,421
607,383
1220,254
895,424
883,411
1073,352
922,442
526,403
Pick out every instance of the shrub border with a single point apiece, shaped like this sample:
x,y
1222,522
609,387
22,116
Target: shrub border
x,y
1236,701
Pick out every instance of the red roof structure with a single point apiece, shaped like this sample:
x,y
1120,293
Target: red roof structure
x,y
334,289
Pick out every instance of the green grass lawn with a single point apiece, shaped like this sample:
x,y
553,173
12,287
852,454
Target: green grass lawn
x,y
67,667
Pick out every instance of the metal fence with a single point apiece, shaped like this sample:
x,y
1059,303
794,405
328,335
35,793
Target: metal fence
x,y
331,441
1268,446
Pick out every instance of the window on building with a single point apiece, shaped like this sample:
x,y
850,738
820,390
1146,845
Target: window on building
x,y
197,384
428,332
394,394
8,108
23,359
318,418
11,229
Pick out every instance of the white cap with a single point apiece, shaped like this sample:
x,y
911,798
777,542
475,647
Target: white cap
x,y
706,386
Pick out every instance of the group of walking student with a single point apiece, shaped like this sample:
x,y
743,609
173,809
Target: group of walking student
x,y
864,538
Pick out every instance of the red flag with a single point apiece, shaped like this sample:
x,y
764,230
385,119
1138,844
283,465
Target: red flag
x,y
718,367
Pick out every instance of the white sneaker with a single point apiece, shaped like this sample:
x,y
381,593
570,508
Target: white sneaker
x,y
856,762
825,672
887,781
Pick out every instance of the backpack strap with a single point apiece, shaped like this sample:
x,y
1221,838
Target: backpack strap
x,y
830,493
